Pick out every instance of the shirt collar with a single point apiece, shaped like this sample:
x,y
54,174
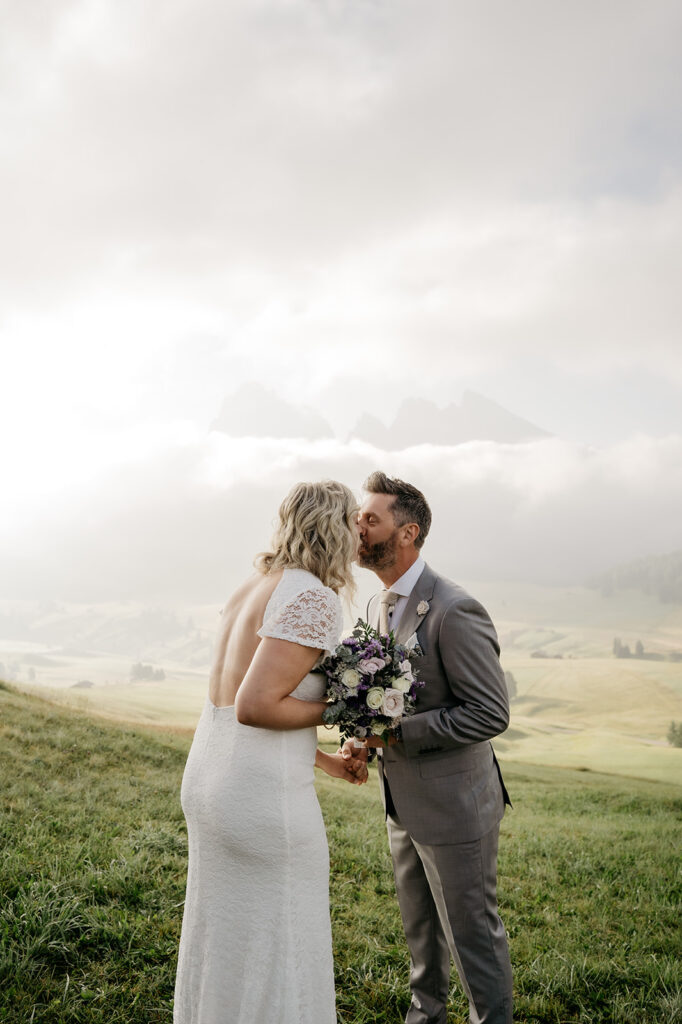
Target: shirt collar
x,y
405,585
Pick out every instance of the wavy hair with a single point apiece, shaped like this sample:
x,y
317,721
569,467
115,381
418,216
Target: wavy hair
x,y
316,531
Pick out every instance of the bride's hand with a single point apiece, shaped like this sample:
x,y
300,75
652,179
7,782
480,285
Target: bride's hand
x,y
351,769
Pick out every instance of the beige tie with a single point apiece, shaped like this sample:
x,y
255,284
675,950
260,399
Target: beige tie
x,y
388,600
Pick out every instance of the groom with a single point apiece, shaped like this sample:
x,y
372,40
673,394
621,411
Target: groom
x,y
440,783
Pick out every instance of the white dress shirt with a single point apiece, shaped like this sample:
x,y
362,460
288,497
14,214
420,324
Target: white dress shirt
x,y
404,587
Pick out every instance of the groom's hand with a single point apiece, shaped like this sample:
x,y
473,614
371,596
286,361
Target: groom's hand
x,y
352,751
376,741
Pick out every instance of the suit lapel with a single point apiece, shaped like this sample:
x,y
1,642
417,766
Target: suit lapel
x,y
422,591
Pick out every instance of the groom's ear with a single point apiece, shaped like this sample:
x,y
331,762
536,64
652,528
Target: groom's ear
x,y
410,532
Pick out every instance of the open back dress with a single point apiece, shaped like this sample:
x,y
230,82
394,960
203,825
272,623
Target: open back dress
x,y
256,935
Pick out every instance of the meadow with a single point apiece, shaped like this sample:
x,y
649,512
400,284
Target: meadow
x,y
576,705
94,861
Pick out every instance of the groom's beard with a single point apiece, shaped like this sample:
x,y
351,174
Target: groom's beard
x,y
378,556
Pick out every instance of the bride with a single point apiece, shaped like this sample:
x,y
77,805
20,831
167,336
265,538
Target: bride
x,y
256,935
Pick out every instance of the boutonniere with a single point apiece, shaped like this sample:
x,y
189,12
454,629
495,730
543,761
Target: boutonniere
x,y
422,607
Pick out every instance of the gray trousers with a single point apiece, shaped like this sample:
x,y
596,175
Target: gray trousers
x,y
448,904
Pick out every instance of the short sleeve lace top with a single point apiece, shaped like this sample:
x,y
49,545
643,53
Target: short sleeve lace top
x,y
301,609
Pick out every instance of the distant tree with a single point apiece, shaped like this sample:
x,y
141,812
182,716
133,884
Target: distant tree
x,y
140,672
511,685
639,649
620,650
675,734
657,575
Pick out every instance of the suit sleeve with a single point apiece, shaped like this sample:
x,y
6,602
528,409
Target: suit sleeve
x,y
471,659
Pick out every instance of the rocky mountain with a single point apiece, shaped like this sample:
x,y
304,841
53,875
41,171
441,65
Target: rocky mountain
x,y
253,411
420,421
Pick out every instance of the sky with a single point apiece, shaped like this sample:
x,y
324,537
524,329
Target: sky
x,y
352,204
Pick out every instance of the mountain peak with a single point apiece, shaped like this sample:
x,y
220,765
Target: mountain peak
x,y
420,421
254,411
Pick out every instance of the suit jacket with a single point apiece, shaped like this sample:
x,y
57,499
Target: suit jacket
x,y
444,779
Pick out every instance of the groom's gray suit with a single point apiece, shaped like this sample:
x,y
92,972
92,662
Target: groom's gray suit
x,y
444,798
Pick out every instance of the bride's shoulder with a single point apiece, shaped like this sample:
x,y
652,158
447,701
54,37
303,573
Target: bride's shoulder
x,y
301,581
303,578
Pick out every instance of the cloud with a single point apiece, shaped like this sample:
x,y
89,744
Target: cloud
x,y
289,134
348,202
183,520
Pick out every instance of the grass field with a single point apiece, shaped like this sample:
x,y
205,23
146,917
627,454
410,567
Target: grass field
x,y
94,862
603,714
577,707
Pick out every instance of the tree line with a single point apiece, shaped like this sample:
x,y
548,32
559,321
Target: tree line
x,y
621,650
658,575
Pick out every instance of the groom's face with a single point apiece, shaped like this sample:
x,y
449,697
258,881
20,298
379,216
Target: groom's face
x,y
378,532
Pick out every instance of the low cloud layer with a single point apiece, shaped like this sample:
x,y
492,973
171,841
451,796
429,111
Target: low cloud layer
x,y
183,521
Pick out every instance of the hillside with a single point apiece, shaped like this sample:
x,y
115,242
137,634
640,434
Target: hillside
x,y
576,705
95,862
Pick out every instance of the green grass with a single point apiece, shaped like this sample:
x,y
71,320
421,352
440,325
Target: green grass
x,y
94,860
585,709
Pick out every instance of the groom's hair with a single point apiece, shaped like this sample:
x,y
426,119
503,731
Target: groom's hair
x,y
410,505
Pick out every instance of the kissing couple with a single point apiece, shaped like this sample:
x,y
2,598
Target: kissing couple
x,y
256,942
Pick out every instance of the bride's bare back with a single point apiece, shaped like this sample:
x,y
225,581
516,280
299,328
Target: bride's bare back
x,y
238,638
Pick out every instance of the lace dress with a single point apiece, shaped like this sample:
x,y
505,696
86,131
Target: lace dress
x,y
256,935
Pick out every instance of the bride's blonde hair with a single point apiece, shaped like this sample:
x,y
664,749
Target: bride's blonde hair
x,y
316,532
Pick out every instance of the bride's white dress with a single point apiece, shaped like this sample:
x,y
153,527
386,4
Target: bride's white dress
x,y
256,935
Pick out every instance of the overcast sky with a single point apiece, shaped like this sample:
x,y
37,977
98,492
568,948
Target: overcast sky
x,y
352,203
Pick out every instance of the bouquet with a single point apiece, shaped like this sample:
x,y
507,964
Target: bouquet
x,y
371,684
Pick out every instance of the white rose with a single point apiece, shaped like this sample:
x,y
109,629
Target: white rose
x,y
351,679
401,683
377,728
393,705
406,669
375,698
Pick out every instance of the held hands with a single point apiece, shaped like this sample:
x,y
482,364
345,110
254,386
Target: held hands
x,y
351,767
350,750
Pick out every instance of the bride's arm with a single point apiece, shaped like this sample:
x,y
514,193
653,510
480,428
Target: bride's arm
x,y
263,698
